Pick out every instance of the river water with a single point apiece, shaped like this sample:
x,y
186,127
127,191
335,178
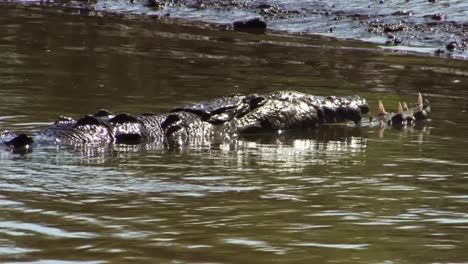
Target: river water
x,y
343,195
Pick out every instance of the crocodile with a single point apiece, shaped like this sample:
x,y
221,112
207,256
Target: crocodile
x,y
218,120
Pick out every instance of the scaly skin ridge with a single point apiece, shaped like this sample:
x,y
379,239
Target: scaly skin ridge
x,y
218,120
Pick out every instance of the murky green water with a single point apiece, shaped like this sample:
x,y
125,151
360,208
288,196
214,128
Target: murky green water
x,y
339,195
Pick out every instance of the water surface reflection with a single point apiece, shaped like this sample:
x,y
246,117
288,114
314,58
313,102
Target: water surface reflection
x,y
338,194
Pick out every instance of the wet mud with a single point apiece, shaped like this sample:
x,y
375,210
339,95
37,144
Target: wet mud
x,y
430,26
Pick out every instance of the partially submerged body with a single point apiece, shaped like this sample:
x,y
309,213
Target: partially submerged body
x,y
219,120
405,116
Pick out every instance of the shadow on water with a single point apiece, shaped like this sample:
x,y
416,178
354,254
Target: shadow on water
x,y
337,194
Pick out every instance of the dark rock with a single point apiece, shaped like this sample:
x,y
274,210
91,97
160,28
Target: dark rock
x,y
256,24
156,4
394,41
452,46
263,6
439,52
436,16
397,41
403,13
394,27
197,4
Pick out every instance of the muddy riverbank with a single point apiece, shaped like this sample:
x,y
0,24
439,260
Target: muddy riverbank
x,y
438,28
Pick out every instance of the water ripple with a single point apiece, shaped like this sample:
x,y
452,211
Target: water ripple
x,y
54,261
7,226
256,244
10,250
431,161
337,246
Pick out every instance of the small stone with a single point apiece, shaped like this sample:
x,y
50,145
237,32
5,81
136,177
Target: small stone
x,y
452,46
403,13
156,4
436,16
397,41
250,23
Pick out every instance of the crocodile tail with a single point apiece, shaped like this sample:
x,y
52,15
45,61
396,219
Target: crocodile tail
x,y
422,110
17,144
